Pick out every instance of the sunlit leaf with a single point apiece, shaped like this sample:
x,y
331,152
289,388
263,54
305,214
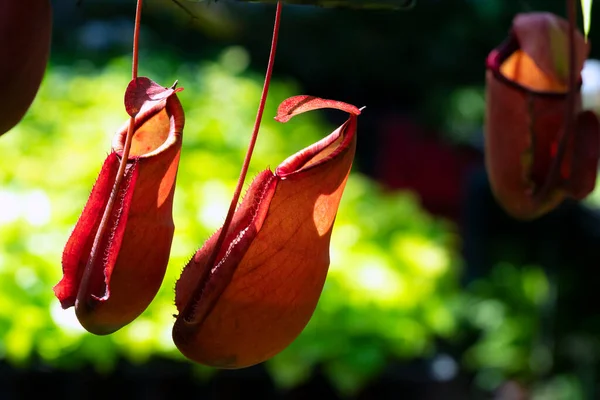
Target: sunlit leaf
x,y
527,93
586,8
112,289
271,269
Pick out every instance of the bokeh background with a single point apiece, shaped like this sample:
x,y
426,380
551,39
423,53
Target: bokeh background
x,y
433,292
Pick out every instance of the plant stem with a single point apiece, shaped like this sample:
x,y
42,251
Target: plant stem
x,y
191,14
103,226
569,123
136,39
240,184
570,111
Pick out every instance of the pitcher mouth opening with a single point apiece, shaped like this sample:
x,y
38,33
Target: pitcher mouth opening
x,y
155,130
498,58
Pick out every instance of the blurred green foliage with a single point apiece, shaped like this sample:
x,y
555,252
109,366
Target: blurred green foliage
x,y
392,291
393,266
507,309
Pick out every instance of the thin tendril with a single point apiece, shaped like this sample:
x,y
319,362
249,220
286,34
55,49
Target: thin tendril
x,y
184,8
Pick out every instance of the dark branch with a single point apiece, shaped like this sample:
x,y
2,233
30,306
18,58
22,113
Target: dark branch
x,y
358,4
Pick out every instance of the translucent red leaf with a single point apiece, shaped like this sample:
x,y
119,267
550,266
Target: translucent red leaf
x,y
543,36
143,93
586,153
526,100
269,276
134,251
83,235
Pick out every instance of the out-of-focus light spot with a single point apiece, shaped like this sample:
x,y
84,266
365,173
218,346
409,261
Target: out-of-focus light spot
x,y
379,282
140,331
165,339
18,343
335,257
65,319
45,243
37,209
25,277
372,277
590,88
423,256
10,207
439,317
535,285
216,198
488,314
408,337
163,319
444,368
48,349
465,111
235,59
345,235
33,206
434,260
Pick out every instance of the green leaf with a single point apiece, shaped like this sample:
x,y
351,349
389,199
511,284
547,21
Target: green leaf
x,y
586,9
